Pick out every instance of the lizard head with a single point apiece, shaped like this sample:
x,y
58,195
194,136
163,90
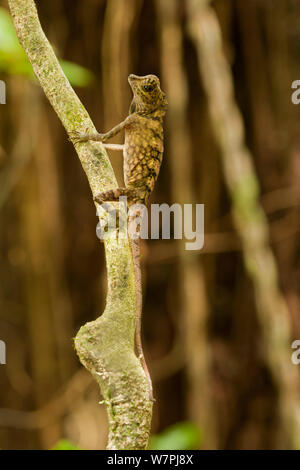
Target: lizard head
x,y
147,94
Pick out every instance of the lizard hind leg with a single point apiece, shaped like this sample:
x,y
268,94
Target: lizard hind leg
x,y
113,195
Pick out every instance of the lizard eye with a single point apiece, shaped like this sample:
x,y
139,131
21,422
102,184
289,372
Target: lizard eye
x,y
148,87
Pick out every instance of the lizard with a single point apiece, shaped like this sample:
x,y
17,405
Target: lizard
x,y
142,152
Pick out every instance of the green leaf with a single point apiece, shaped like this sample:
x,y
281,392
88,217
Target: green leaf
x,y
64,444
8,37
181,436
13,59
78,75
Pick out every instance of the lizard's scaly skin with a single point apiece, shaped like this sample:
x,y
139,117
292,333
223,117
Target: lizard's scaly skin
x,y
143,147
142,150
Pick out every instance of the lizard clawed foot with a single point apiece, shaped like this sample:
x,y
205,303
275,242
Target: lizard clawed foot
x,y
99,198
78,137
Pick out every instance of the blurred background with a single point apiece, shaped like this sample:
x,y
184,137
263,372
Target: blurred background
x,y
217,324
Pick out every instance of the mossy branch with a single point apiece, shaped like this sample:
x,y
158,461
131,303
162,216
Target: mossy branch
x,y
105,346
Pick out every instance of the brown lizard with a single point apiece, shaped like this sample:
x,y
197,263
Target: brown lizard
x,y
142,150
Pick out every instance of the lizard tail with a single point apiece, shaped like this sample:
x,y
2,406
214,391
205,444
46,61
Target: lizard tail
x,y
135,248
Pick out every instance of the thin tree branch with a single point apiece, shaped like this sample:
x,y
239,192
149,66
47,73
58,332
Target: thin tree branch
x,y
105,346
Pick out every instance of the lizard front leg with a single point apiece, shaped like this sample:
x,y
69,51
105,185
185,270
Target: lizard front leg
x,y
79,137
